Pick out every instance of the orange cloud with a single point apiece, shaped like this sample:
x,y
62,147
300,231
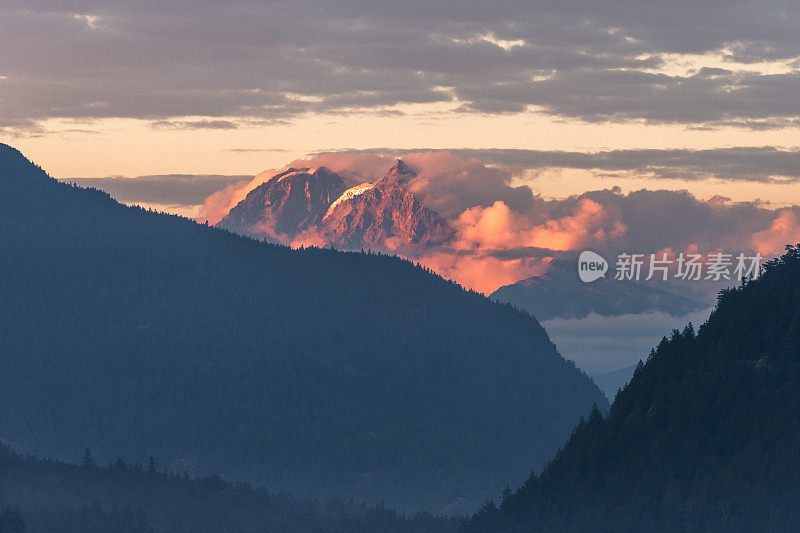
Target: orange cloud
x,y
590,223
484,274
221,202
785,229
495,227
498,227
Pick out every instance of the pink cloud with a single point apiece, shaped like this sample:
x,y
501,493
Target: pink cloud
x,y
483,274
498,227
785,229
219,204
358,167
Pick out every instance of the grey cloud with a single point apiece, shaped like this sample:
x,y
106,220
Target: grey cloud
x,y
746,163
676,219
175,189
195,124
756,125
600,344
159,61
618,95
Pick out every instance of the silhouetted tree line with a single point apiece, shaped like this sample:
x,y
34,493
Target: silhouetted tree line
x,y
705,437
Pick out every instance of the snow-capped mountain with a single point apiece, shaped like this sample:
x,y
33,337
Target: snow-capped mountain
x,y
318,203
286,204
384,213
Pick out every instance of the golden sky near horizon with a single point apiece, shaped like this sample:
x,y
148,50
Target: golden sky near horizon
x,y
130,147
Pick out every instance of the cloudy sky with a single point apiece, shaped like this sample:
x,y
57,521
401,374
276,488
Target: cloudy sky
x,y
532,102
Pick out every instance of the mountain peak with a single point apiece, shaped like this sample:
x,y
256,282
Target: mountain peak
x,y
400,171
321,203
287,203
302,171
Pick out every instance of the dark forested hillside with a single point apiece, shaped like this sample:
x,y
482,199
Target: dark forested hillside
x,y
348,374
705,437
47,496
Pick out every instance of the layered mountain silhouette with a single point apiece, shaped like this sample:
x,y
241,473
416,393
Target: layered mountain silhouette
x,y
141,334
705,437
559,293
322,207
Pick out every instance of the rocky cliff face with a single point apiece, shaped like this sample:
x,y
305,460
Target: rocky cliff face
x,y
287,204
384,214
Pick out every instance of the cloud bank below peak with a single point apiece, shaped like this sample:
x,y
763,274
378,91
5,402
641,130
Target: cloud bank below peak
x,y
504,233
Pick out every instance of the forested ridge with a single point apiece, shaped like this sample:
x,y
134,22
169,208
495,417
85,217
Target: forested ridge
x,y
705,437
358,375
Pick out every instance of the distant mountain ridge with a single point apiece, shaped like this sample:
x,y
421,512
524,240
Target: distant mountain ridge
x,y
559,293
350,374
319,206
611,382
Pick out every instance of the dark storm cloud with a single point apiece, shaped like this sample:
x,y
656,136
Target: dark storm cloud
x,y
588,61
177,189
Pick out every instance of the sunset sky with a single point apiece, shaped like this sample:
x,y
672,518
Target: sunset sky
x,y
557,97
